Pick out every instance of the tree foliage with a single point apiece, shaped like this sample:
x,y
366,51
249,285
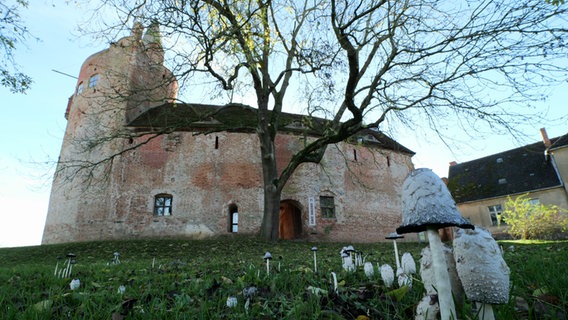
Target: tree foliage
x,y
12,32
533,221
360,64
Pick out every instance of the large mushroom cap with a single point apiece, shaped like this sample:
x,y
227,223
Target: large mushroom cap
x,y
394,236
427,203
480,266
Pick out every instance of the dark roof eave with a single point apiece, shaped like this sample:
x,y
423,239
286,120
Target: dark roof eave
x,y
560,186
201,111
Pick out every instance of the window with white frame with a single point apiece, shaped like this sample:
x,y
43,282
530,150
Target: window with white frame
x,y
495,214
163,204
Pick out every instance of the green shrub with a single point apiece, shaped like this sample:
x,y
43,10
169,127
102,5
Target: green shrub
x,y
533,221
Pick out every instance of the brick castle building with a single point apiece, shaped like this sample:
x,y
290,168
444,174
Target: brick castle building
x,y
117,180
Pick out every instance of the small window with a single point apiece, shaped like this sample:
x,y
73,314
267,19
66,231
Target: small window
x,y
235,222
495,214
327,205
93,80
499,160
80,88
233,219
502,181
163,205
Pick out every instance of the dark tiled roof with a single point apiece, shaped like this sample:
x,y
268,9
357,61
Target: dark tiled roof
x,y
241,118
515,171
560,142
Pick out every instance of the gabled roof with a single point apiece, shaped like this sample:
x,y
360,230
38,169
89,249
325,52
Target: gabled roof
x,y
242,118
519,170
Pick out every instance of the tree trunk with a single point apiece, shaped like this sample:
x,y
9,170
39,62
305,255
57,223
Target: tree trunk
x,y
271,217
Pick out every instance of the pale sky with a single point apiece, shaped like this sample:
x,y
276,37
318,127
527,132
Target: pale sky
x,y
32,125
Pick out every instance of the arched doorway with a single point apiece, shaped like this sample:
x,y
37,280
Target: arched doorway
x,y
290,220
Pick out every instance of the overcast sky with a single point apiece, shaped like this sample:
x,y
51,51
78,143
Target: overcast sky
x,y
32,125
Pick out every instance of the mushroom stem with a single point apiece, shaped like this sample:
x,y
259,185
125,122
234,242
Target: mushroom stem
x,y
486,312
334,276
445,300
315,262
268,266
396,254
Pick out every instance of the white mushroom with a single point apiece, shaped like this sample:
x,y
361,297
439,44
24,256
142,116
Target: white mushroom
x,y
350,251
482,269
427,205
403,279
56,266
267,258
427,273
334,276
358,258
116,258
387,274
75,284
428,308
369,269
347,262
407,263
231,301
393,236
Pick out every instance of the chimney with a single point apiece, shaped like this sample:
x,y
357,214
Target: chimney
x,y
453,163
545,139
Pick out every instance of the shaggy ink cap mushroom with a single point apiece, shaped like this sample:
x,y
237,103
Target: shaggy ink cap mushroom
x,y
427,203
267,256
314,248
483,272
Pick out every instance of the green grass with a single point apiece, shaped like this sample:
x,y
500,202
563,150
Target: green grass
x,y
186,279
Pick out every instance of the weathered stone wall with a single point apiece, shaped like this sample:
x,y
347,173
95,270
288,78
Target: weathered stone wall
x,y
204,181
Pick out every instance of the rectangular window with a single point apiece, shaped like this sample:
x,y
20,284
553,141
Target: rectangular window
x,y
93,80
80,88
327,205
495,214
235,222
163,205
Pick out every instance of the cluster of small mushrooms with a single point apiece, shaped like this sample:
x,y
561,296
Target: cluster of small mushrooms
x,y
475,265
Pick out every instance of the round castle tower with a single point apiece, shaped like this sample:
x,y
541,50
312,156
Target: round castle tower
x,y
114,86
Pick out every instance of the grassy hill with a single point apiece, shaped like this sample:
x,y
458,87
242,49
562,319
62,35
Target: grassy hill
x,y
189,279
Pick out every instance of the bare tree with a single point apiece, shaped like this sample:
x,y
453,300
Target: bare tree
x,y
12,32
359,64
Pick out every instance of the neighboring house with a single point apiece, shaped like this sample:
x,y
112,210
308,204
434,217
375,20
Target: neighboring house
x,y
481,187
202,179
